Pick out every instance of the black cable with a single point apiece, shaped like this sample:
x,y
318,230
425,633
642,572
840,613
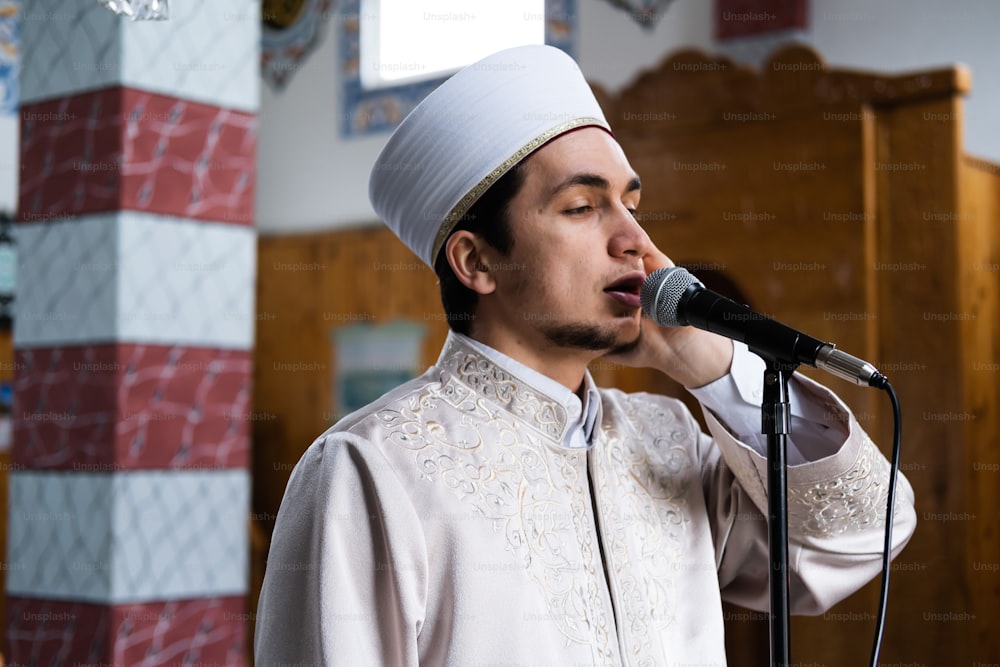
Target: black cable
x,y
890,504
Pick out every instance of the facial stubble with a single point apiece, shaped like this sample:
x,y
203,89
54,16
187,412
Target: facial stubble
x,y
590,337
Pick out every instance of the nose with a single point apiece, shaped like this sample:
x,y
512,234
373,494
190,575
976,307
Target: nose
x,y
628,238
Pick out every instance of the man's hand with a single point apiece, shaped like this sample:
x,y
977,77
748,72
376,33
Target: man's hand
x,y
690,356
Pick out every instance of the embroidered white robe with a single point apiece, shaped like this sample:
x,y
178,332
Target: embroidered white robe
x,y
445,524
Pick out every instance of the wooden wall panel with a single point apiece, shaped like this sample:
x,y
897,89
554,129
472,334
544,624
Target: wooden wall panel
x,y
789,223
309,286
979,294
836,202
917,181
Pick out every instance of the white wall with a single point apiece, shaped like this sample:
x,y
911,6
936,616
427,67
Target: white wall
x,y
308,176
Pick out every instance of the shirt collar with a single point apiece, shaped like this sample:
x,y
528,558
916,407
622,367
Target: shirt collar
x,y
579,419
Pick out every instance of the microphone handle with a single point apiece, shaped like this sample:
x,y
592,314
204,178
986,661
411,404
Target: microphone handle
x,y
768,338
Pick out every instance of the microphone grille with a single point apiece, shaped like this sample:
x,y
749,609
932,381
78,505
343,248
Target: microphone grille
x,y
661,294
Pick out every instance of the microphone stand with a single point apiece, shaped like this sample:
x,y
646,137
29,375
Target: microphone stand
x,y
776,417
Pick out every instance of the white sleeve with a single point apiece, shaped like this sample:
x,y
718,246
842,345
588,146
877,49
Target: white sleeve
x,y
346,575
836,514
735,399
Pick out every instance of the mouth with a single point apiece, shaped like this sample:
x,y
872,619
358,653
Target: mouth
x,y
626,289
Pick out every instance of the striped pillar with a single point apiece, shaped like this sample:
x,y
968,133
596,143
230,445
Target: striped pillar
x,y
129,496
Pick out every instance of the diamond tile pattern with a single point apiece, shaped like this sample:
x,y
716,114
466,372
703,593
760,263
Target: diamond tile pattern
x,y
206,51
66,282
109,408
124,148
135,277
128,537
177,632
71,156
187,283
68,47
188,159
55,632
128,513
10,56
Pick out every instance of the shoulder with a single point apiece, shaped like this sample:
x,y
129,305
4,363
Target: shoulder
x,y
352,444
408,393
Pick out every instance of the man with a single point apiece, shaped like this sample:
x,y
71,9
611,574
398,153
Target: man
x,y
502,509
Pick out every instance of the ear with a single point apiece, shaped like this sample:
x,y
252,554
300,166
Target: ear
x,y
468,254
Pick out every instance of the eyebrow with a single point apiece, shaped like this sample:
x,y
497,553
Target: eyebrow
x,y
592,181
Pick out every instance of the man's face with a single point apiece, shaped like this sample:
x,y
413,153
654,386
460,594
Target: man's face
x,y
573,276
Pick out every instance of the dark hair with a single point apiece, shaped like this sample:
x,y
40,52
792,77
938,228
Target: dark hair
x,y
487,218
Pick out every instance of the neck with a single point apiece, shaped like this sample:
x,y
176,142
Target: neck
x,y
566,366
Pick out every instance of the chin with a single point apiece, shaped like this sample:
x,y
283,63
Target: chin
x,y
628,340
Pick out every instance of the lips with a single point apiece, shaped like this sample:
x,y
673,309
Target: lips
x,y
626,289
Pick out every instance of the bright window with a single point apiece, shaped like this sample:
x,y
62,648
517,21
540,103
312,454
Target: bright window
x,y
406,41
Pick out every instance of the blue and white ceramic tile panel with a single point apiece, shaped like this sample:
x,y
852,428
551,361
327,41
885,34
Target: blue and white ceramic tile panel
x,y
11,20
287,39
10,55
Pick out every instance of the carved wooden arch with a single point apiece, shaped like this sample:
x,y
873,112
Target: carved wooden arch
x,y
697,88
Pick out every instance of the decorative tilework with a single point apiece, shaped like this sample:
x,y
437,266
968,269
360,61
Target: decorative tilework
x,y
207,631
10,55
125,407
128,537
188,159
206,51
284,47
133,327
71,156
66,282
176,632
54,632
68,47
124,148
135,277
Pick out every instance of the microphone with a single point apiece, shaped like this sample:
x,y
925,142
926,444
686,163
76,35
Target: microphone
x,y
672,297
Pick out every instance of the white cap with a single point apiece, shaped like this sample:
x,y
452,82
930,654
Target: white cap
x,y
468,133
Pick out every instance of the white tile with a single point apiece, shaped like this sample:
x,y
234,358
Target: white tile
x,y
59,541
137,278
67,47
206,51
66,281
184,282
128,537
